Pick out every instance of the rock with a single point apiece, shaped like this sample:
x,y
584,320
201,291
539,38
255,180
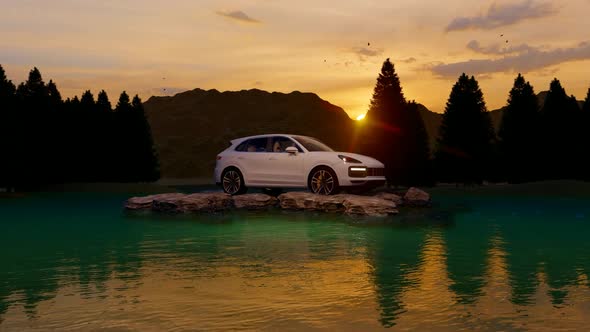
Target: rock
x,y
416,197
167,204
206,202
254,201
349,204
382,204
369,206
201,202
311,202
331,203
145,203
296,200
397,199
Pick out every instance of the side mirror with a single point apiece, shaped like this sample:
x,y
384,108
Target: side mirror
x,y
291,150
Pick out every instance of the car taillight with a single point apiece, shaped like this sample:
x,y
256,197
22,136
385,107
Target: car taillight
x,y
218,157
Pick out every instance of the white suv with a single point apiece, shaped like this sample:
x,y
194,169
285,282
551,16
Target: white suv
x,y
293,161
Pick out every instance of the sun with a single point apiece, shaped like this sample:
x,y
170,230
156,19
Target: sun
x,y
360,117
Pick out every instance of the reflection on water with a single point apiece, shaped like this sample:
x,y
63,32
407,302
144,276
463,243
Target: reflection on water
x,y
77,262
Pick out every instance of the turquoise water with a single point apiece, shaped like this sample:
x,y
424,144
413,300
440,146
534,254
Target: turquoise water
x,y
76,261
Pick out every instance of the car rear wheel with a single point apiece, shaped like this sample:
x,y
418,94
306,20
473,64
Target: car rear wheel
x,y
323,181
232,182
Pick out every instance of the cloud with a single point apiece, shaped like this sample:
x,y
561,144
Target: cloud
x,y
409,60
503,15
526,61
364,53
496,49
237,15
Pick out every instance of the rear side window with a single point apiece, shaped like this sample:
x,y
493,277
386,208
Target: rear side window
x,y
253,145
242,146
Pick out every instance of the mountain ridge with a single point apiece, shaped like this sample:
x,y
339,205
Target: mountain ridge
x,y
191,127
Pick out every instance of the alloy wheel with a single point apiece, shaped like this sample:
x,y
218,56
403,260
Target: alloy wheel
x,y
231,182
322,182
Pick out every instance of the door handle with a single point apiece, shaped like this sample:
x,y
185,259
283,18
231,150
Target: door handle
x,y
272,158
241,158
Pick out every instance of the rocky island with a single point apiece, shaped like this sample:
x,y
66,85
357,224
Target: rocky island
x,y
379,205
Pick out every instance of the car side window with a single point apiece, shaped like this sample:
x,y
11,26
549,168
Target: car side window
x,y
253,145
280,143
243,147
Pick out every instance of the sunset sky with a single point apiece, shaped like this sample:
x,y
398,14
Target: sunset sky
x,y
334,48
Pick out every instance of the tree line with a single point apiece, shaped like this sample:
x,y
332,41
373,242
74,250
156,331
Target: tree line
x,y
46,140
536,141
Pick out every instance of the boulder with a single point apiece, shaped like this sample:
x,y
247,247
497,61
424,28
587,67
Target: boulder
x,y
206,202
331,203
297,200
311,202
368,206
254,201
146,202
397,199
416,197
349,204
382,204
201,202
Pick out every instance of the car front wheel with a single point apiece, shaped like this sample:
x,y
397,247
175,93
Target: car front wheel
x,y
232,182
323,181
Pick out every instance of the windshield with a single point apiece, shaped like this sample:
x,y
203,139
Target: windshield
x,y
312,144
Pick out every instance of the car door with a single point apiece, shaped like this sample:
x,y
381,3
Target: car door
x,y
285,169
253,160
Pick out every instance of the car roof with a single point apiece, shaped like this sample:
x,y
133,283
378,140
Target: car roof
x,y
241,139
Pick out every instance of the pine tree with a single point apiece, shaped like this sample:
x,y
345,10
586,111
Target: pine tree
x,y
75,101
33,130
56,134
518,134
466,135
7,89
585,164
394,132
123,133
586,107
147,161
55,100
560,120
102,102
123,105
7,123
75,161
106,144
33,95
419,171
381,122
87,101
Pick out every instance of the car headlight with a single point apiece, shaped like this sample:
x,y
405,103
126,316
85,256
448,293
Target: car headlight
x,y
349,160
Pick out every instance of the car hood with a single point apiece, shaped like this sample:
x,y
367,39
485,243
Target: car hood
x,y
366,160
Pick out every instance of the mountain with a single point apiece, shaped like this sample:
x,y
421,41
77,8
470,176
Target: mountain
x,y
190,128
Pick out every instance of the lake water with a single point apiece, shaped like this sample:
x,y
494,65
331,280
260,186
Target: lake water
x,y
494,261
